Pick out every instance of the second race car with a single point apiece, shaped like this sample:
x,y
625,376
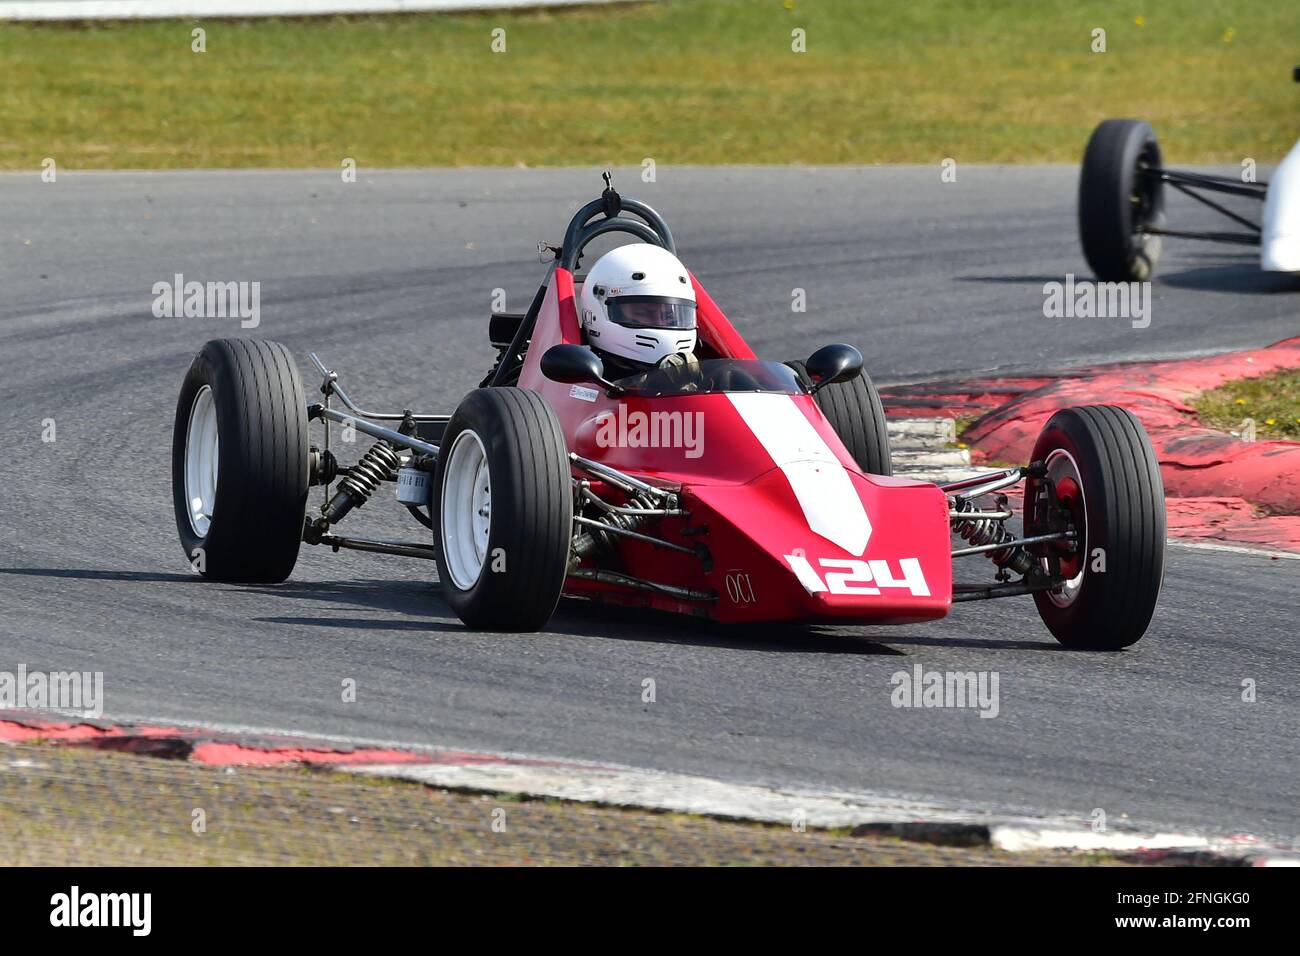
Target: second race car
x,y
1122,220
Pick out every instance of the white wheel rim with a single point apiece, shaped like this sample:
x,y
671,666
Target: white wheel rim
x,y
202,456
466,510
1061,464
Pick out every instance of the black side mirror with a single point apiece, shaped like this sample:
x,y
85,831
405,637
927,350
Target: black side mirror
x,y
833,363
574,364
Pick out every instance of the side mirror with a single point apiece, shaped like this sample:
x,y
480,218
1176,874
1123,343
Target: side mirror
x,y
574,364
833,363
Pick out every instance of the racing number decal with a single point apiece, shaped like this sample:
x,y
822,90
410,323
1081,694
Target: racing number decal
x,y
853,579
851,576
740,588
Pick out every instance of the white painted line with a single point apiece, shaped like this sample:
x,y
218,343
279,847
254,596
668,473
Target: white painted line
x,y
1259,552
940,429
653,790
936,475
921,449
946,458
1018,838
679,793
616,785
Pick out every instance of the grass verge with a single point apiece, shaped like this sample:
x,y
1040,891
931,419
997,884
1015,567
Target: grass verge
x,y
68,806
1271,401
678,81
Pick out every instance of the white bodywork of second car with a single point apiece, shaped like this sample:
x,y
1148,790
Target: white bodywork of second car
x,y
1280,237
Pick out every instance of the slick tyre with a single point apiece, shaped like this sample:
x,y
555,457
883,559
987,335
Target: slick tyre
x,y
1107,479
239,461
1117,202
503,504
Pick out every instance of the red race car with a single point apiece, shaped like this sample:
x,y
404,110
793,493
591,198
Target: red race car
x,y
629,447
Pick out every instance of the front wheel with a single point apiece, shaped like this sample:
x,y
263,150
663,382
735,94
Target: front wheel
x,y
239,461
1103,481
503,500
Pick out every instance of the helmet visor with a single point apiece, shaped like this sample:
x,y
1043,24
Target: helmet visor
x,y
651,312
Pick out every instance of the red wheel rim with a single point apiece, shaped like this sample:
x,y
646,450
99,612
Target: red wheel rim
x,y
1071,553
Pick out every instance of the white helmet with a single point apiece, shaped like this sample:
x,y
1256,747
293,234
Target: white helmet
x,y
638,303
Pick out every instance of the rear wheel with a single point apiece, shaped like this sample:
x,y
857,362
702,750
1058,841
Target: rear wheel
x,y
856,413
503,501
239,461
1106,481
1117,202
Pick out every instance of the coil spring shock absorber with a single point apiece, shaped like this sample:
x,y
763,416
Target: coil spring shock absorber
x,y
587,542
377,465
630,522
986,531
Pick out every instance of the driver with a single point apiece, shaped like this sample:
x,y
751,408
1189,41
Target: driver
x,y
638,311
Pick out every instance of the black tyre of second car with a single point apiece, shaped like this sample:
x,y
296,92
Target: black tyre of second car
x,y
1116,201
503,510
856,413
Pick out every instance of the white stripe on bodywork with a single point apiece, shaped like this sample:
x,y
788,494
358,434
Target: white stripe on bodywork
x,y
825,491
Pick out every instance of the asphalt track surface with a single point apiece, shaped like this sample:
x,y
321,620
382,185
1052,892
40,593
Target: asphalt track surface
x,y
391,279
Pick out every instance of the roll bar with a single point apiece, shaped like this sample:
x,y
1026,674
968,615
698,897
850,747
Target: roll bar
x,y
650,227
